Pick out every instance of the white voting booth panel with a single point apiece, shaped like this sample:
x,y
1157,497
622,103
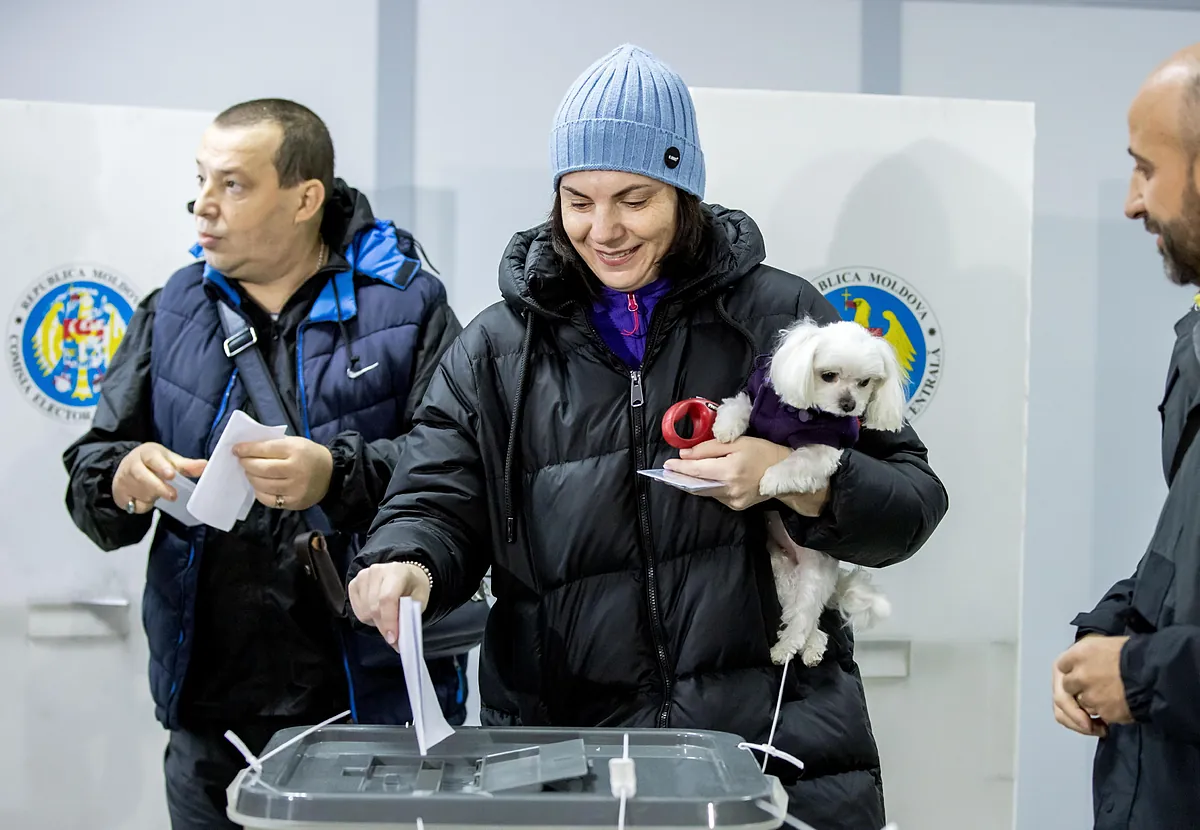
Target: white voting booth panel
x,y
93,217
914,217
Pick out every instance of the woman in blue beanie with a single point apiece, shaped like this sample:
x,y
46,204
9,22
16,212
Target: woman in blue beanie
x,y
622,602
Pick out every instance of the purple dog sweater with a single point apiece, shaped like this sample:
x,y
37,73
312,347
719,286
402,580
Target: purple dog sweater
x,y
773,420
623,318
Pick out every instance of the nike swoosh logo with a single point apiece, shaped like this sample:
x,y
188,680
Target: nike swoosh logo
x,y
352,374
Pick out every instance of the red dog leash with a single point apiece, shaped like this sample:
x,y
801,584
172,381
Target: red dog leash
x,y
700,411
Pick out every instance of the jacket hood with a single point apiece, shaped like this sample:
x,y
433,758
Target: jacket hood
x,y
370,246
530,277
347,214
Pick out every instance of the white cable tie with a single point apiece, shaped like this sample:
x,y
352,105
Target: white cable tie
x,y
767,749
622,779
256,763
241,747
778,706
305,734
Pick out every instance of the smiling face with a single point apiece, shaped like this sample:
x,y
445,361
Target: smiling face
x,y
621,224
1163,187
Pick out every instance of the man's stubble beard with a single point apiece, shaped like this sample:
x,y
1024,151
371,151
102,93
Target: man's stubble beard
x,y
1181,241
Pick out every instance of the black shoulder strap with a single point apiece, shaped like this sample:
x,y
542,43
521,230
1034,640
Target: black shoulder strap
x,y
455,634
241,346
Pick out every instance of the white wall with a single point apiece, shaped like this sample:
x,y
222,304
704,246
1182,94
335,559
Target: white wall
x,y
486,96
203,57
1101,328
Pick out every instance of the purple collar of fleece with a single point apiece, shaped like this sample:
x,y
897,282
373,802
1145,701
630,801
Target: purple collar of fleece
x,y
623,318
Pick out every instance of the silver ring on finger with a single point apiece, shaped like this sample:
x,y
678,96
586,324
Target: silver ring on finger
x,y
131,507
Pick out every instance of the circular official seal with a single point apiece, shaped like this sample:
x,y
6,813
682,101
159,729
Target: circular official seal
x,y
63,334
893,309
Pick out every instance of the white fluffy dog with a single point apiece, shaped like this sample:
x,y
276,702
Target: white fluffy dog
x,y
812,394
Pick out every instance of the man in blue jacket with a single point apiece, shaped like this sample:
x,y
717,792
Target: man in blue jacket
x,y
350,329
1133,676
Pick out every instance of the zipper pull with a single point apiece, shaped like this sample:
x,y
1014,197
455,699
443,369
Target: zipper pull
x,y
636,398
633,311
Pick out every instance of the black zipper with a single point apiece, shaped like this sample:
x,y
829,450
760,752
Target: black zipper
x,y
637,399
510,521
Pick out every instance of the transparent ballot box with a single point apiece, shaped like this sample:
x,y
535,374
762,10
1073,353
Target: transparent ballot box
x,y
350,777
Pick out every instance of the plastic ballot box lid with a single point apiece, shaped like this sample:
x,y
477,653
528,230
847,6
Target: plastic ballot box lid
x,y
353,777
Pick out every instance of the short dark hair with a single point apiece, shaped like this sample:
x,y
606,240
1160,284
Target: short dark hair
x,y
306,151
687,254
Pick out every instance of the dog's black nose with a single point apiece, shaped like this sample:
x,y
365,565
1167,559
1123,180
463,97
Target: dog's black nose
x,y
847,404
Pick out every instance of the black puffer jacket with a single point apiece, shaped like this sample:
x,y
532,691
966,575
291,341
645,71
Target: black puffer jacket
x,y
622,601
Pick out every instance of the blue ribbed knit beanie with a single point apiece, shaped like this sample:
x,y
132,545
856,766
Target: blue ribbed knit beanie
x,y
630,112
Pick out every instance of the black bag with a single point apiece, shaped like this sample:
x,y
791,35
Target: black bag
x,y
456,633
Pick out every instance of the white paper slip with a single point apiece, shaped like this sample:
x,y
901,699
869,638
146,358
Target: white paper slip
x,y
689,484
184,487
246,505
428,719
223,494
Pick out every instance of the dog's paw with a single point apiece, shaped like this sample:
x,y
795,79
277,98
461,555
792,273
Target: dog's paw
x,y
823,462
830,466
733,416
727,431
779,480
776,481
814,650
781,653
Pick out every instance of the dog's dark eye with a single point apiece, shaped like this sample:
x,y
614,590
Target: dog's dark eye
x,y
864,383
829,377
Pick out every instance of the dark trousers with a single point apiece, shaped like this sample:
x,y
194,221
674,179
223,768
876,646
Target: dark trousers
x,y
199,766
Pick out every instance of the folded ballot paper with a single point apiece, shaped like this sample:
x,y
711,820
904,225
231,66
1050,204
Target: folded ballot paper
x,y
222,495
689,484
428,719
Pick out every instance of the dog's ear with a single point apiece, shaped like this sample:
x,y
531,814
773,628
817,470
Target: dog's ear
x,y
791,369
885,410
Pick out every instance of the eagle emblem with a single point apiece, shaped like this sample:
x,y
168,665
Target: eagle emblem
x,y
894,334
74,341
